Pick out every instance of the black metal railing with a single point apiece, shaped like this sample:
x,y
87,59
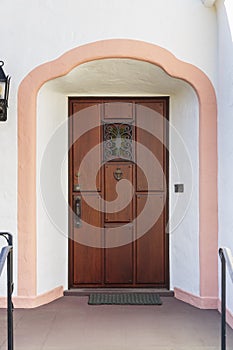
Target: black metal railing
x,y
226,260
7,254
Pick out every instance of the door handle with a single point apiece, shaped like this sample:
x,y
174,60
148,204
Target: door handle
x,y
78,212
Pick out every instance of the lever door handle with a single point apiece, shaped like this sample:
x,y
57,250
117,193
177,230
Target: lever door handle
x,y
78,212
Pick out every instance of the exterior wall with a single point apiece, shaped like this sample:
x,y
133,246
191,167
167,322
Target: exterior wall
x,y
225,128
46,30
184,236
52,245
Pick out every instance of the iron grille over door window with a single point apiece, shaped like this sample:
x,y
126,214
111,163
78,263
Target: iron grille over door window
x,y
118,141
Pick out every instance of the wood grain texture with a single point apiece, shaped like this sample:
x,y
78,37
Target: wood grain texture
x,y
150,134
118,110
125,215
150,247
87,260
144,261
83,116
119,260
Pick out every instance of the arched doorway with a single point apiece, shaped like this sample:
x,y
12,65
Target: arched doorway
x,y
207,151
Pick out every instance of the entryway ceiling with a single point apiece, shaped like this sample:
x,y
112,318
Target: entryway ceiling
x,y
114,77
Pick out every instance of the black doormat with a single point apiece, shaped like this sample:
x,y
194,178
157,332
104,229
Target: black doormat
x,y
124,299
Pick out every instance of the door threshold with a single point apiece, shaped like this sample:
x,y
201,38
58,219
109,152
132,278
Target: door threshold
x,y
79,292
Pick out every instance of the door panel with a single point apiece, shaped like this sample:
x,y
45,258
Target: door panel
x,y
114,203
119,260
150,175
88,259
150,246
85,163
118,110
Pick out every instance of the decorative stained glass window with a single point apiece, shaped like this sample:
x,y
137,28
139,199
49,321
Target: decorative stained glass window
x,y
118,141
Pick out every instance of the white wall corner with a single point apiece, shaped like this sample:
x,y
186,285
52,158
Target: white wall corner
x,y
208,3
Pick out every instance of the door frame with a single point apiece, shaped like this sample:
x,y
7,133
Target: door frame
x,y
98,99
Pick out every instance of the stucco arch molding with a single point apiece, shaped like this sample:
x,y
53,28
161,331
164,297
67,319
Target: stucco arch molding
x,y
27,97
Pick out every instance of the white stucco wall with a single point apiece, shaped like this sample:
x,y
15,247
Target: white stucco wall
x,y
184,237
225,131
43,30
52,245
119,75
34,32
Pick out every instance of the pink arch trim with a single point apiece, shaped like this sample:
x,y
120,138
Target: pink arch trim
x,y
117,48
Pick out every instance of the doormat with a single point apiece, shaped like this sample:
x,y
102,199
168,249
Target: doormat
x,y
124,299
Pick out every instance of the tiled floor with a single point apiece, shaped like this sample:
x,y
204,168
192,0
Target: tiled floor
x,y
70,323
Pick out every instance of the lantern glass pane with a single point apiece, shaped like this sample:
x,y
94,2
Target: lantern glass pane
x,y
2,89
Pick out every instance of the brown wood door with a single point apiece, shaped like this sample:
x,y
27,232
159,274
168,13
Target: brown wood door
x,y
118,180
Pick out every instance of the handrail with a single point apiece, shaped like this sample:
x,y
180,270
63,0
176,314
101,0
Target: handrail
x,y
7,254
226,260
229,259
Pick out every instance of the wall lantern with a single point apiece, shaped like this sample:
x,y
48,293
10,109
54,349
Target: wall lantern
x,y
4,93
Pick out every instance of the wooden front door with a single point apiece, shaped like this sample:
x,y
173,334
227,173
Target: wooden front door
x,y
118,193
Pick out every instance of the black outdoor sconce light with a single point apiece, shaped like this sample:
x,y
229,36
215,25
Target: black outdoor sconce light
x,y
4,93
